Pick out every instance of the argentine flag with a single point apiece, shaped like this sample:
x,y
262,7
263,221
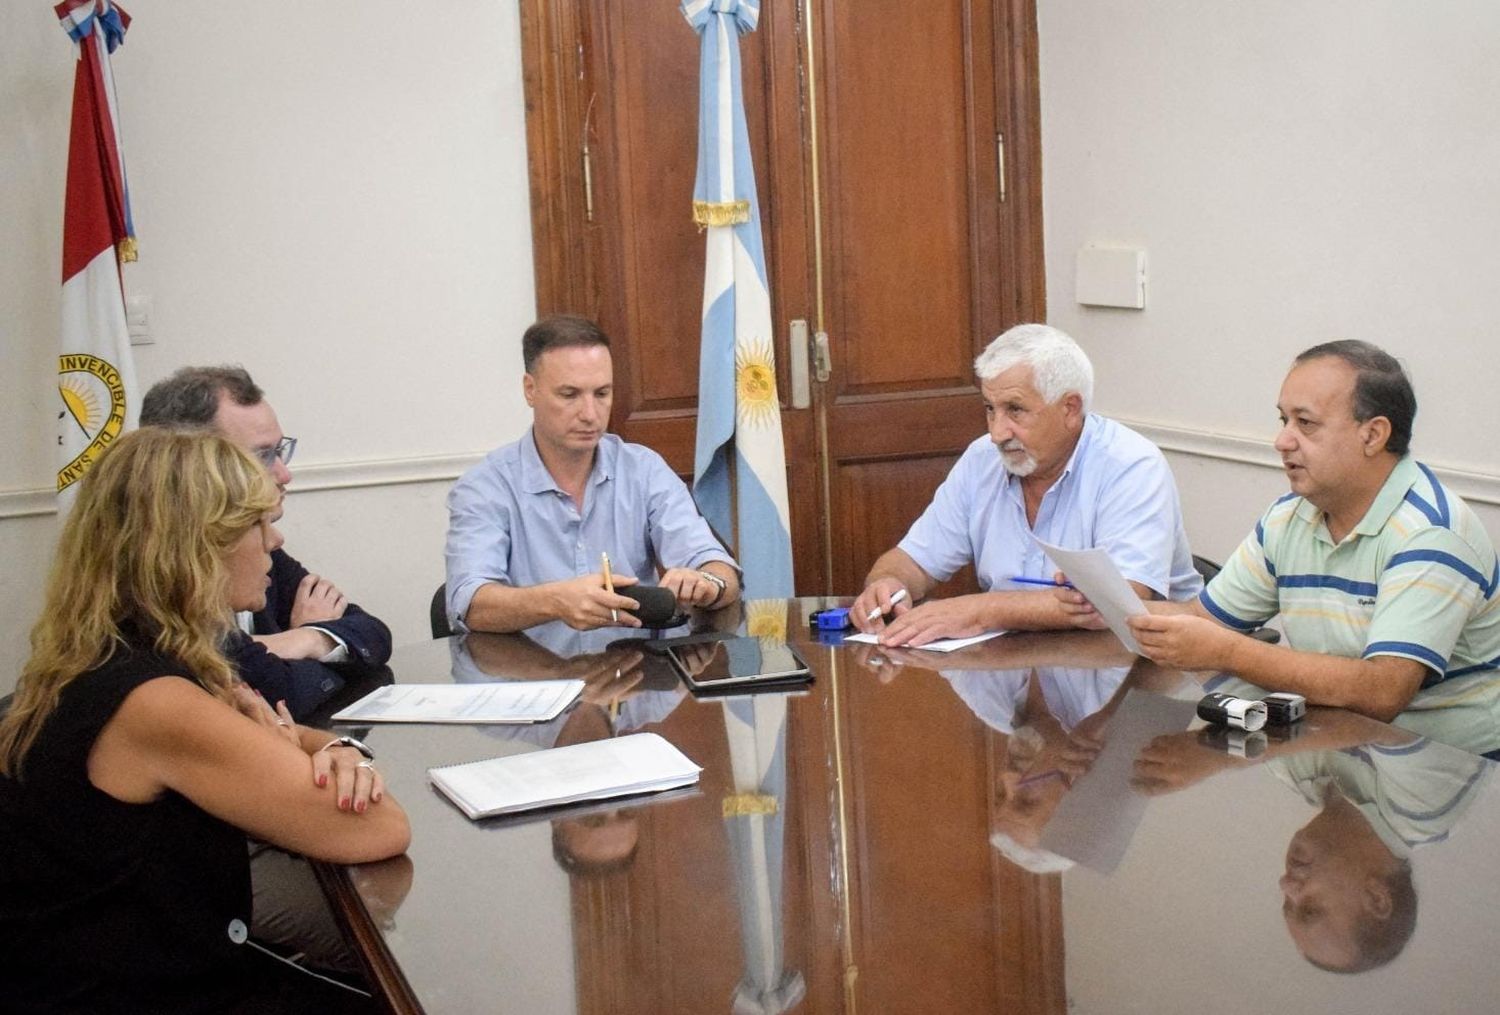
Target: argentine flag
x,y
739,471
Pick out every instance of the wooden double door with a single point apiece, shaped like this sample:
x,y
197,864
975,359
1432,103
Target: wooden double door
x,y
897,161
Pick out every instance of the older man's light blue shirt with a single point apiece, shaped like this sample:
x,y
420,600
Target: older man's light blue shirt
x,y
509,522
1116,493
1071,694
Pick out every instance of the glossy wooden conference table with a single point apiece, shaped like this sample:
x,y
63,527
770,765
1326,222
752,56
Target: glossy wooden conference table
x,y
848,849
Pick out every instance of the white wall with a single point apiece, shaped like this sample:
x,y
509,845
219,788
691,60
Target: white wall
x,y
341,204
336,198
1296,173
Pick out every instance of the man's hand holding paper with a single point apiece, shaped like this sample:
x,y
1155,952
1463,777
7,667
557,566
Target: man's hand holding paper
x,y
1185,642
1102,588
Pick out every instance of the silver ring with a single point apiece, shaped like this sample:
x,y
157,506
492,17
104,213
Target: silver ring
x,y
367,763
614,616
281,722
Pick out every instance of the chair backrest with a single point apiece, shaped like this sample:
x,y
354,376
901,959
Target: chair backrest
x,y
437,613
1206,567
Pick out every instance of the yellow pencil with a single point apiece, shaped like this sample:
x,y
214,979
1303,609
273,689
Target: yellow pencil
x,y
609,585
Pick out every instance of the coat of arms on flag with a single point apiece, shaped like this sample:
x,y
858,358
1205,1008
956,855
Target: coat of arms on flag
x,y
94,403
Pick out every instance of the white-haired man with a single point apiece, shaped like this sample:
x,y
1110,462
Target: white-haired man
x,y
1047,470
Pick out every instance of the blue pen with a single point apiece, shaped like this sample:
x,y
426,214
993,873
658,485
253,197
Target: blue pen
x,y
1042,581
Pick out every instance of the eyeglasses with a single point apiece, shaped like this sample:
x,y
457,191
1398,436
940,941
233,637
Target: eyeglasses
x,y
283,449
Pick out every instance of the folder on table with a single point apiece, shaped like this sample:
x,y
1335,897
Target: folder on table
x,y
511,701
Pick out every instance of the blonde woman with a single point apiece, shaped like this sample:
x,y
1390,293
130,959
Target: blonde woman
x,y
132,766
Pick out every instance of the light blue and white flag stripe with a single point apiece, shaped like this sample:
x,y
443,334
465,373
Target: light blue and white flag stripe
x,y
739,418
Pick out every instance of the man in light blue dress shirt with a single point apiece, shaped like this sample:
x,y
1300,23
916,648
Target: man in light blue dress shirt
x,y
528,525
1047,470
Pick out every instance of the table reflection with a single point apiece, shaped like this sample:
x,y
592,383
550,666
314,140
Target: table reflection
x,y
891,838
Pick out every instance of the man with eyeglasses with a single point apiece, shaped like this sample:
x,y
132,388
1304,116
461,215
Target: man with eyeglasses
x,y
293,649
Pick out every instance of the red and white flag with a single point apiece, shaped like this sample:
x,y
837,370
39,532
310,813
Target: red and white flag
x,y
95,375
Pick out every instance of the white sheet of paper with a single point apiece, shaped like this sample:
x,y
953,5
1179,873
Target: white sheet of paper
x,y
941,645
511,701
1095,575
1098,817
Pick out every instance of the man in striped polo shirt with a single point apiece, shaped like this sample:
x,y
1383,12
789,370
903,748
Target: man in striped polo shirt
x,y
1384,580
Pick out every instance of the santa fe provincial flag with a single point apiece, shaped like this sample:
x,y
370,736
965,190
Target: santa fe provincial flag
x,y
739,414
95,375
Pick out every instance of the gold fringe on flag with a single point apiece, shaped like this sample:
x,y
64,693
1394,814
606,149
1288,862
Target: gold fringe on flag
x,y
126,248
743,804
721,213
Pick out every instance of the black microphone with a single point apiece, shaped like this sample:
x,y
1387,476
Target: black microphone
x,y
655,606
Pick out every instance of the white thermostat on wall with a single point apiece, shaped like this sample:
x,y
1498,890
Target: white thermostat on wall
x,y
1112,277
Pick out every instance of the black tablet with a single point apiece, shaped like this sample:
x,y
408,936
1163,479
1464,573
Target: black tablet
x,y
738,665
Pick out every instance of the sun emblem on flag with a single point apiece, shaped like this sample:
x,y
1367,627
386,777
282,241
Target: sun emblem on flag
x,y
766,619
755,383
81,402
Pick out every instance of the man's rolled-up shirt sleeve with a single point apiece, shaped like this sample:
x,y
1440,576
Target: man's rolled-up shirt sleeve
x,y
1426,595
1243,594
1137,523
939,540
478,545
680,535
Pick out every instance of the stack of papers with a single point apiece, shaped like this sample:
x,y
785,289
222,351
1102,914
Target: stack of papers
x,y
518,701
639,763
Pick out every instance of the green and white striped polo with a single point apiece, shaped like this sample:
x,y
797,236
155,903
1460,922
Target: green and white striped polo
x,y
1415,578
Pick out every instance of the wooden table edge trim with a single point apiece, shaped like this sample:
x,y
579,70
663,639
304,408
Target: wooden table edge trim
x,y
380,966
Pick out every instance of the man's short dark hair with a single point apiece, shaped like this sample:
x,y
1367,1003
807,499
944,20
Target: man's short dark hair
x,y
1381,387
559,332
571,862
189,399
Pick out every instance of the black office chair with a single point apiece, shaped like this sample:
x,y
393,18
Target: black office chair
x,y
1208,569
437,613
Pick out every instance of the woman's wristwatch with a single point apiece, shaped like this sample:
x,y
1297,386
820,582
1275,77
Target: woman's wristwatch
x,y
348,741
722,585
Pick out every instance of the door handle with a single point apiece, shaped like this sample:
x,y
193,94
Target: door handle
x,y
822,358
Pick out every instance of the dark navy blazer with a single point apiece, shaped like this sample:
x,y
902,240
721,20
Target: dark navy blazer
x,y
304,683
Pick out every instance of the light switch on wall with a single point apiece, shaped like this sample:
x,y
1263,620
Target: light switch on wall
x,y
138,320
1112,277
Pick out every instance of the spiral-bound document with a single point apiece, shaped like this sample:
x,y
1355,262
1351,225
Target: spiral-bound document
x,y
639,763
